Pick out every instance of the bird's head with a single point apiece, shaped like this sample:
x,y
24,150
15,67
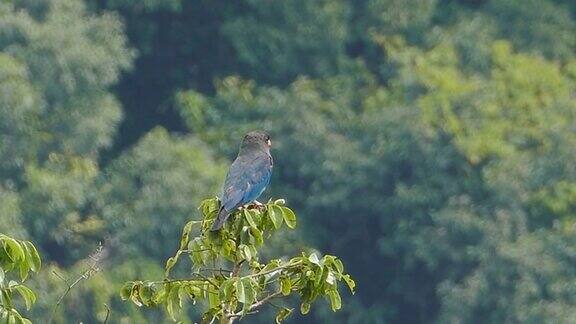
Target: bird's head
x,y
256,140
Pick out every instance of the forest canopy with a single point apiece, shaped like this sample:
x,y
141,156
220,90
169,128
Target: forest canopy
x,y
429,144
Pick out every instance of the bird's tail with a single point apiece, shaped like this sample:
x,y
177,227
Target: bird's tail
x,y
220,219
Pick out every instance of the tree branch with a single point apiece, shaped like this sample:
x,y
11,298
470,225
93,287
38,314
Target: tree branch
x,y
254,307
262,273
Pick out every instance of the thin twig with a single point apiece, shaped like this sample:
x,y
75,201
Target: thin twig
x,y
262,273
192,251
107,314
237,267
95,257
216,270
274,305
265,300
197,277
184,280
234,316
207,279
254,307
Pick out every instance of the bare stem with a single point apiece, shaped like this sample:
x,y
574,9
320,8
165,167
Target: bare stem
x,y
92,268
107,314
254,307
286,266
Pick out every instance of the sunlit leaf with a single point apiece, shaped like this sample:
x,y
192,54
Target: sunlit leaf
x,y
304,308
126,290
213,295
257,234
27,294
170,264
249,294
289,217
35,263
240,292
249,219
351,284
275,213
335,301
285,285
314,259
283,314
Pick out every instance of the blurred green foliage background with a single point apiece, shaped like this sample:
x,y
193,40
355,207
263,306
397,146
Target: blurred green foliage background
x,y
430,144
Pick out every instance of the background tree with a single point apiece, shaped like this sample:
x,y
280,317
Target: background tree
x,y
428,143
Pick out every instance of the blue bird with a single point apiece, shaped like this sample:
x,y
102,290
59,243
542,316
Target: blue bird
x,y
248,176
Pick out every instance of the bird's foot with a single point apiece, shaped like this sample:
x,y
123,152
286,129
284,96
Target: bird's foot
x,y
256,205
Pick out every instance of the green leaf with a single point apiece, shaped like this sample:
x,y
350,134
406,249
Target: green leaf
x,y
36,263
126,290
24,270
249,219
314,259
213,295
285,285
6,299
13,249
249,294
170,264
135,294
2,276
246,252
275,213
146,294
209,207
17,318
160,295
226,289
304,308
240,292
339,266
335,300
257,235
283,314
325,272
289,217
186,234
196,255
27,294
173,301
350,282
330,278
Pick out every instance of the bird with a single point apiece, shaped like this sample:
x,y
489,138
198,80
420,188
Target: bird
x,y
247,177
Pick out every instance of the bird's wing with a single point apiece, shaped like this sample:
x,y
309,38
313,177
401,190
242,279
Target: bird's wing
x,y
259,177
246,180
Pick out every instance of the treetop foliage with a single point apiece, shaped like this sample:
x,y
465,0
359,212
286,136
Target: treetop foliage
x,y
228,274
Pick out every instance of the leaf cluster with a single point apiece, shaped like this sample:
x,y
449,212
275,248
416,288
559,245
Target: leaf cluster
x,y
228,275
20,257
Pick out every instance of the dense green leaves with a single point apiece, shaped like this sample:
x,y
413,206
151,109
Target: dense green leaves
x,y
18,257
240,284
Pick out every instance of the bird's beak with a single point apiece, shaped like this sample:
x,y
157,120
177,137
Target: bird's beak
x,y
269,143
